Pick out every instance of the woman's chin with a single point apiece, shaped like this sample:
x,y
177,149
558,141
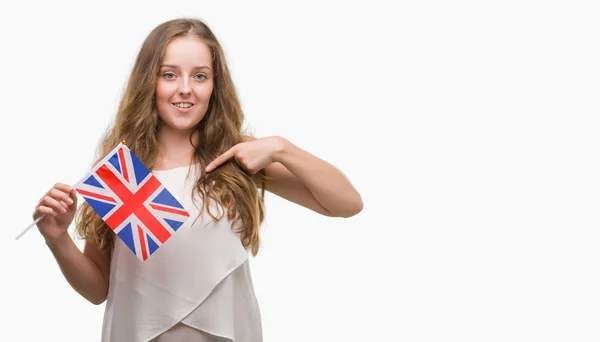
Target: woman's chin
x,y
181,125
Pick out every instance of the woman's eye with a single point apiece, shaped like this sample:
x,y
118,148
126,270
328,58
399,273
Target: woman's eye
x,y
200,77
169,75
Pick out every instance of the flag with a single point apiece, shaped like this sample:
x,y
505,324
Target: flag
x,y
132,202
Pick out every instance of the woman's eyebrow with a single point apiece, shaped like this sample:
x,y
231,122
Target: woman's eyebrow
x,y
176,67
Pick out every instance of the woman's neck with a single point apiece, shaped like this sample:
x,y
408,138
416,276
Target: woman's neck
x,y
174,148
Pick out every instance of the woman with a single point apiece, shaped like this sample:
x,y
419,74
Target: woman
x,y
181,116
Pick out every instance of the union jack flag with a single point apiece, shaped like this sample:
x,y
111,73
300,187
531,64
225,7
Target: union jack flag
x,y
132,202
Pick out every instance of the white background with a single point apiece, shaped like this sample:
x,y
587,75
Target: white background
x,y
470,128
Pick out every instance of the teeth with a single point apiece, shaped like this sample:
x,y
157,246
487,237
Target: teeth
x,y
183,105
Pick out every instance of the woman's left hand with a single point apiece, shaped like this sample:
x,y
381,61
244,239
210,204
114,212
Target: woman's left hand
x,y
252,154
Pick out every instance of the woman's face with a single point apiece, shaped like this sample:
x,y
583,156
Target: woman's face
x,y
185,83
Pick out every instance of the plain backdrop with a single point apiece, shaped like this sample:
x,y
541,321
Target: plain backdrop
x,y
470,128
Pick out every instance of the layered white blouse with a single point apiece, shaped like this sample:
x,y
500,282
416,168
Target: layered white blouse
x,y
196,287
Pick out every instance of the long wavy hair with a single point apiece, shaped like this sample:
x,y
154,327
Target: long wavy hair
x,y
136,121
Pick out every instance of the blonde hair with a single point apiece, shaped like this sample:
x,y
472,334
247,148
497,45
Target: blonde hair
x,y
221,128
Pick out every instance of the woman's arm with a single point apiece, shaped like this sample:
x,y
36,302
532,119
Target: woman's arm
x,y
294,174
87,272
304,179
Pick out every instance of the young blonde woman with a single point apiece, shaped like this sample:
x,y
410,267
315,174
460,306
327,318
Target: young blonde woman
x,y
181,116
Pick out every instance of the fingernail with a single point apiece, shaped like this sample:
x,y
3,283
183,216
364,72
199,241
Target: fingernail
x,y
70,201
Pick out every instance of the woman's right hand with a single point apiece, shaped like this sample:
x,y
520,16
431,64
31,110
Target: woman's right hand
x,y
59,205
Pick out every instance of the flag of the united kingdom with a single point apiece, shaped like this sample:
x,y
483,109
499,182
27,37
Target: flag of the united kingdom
x,y
132,202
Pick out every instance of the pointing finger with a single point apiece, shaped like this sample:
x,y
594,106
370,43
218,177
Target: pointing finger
x,y
220,159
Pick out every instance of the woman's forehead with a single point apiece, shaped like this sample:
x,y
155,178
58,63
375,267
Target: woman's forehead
x,y
187,51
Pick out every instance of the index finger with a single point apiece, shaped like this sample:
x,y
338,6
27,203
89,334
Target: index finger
x,y
63,187
220,160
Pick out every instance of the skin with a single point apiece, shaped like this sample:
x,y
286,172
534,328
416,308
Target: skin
x,y
186,76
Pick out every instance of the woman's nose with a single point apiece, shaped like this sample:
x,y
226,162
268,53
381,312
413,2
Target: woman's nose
x,y
184,87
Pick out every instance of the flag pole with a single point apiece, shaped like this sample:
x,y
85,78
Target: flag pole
x,y
29,227
74,186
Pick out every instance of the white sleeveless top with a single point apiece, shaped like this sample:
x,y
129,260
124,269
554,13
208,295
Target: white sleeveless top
x,y
195,287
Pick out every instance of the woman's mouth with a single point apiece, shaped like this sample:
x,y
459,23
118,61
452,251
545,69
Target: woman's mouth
x,y
183,107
